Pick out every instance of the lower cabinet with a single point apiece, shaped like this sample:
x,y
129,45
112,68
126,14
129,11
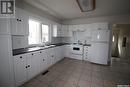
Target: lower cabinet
x,y
67,51
58,53
20,69
43,60
32,65
27,66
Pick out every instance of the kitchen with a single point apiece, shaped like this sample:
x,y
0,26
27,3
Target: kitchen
x,y
47,45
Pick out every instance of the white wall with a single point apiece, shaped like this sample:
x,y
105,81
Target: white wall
x,y
81,36
34,10
117,19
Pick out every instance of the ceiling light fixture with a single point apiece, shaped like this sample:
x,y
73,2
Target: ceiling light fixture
x,y
86,5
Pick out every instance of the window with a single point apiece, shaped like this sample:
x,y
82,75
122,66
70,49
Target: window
x,y
45,33
34,32
38,32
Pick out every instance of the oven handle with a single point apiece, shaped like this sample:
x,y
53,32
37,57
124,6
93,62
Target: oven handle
x,y
76,54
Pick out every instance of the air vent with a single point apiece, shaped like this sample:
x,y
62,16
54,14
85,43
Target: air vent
x,y
86,5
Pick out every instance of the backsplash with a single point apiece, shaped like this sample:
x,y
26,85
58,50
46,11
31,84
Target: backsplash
x,y
78,37
20,41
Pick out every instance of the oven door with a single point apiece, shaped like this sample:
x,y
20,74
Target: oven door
x,y
77,49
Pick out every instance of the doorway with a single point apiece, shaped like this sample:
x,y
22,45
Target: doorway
x,y
121,43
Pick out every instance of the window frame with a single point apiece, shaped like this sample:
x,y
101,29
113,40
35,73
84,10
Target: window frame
x,y
49,32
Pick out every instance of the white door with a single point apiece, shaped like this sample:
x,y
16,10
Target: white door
x,y
32,65
43,60
52,55
19,24
6,62
101,35
49,58
67,51
99,53
20,69
4,26
24,23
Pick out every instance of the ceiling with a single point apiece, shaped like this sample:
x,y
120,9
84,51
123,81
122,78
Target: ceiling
x,y
69,9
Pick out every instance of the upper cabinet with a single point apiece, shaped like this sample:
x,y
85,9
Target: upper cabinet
x,y
66,31
19,24
79,28
88,30
104,25
61,30
56,30
4,26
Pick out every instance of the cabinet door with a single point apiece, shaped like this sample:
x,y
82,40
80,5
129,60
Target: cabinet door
x,y
19,24
4,26
57,54
32,64
67,51
20,69
50,56
66,31
48,60
23,25
56,30
14,23
43,60
62,51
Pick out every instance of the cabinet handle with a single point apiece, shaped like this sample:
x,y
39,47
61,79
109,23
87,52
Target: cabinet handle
x,y
40,52
17,19
20,57
32,53
43,59
26,67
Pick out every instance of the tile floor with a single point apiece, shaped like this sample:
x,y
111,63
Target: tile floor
x,y
76,73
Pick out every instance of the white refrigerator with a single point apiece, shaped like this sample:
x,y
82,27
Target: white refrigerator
x,y
100,46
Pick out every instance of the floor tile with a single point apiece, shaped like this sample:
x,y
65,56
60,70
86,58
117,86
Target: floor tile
x,y
76,73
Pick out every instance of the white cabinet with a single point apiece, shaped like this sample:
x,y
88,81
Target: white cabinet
x,y
61,30
66,31
79,28
43,60
20,69
58,53
87,53
56,30
103,25
19,24
50,57
26,66
88,30
6,62
4,26
32,64
68,51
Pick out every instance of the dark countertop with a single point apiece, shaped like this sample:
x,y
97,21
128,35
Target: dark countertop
x,y
86,44
33,49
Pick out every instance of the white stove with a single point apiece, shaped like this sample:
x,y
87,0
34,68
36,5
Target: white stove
x,y
77,51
